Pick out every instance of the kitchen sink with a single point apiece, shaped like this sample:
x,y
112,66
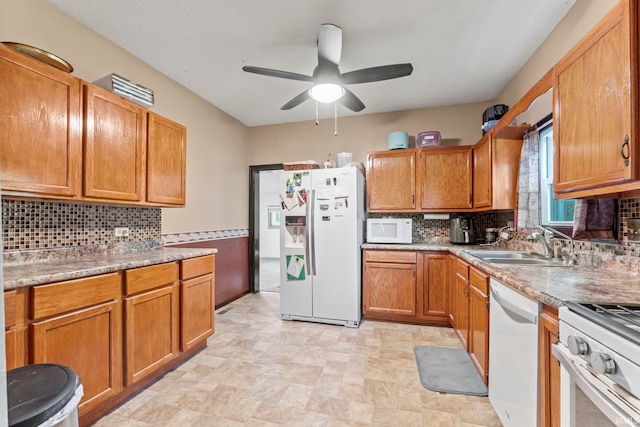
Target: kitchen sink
x,y
516,258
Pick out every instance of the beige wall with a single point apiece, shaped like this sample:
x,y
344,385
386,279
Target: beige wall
x,y
458,124
217,174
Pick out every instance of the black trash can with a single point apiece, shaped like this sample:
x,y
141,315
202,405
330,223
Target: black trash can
x,y
44,394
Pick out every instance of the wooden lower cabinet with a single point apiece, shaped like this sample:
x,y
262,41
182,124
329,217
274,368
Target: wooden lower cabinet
x,y
16,329
461,295
78,323
479,322
197,300
151,319
433,295
549,369
406,286
116,345
390,288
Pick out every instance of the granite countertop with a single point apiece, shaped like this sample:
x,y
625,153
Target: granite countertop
x,y
20,274
549,285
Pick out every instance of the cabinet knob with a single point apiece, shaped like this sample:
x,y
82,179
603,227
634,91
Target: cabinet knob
x,y
577,346
624,150
602,363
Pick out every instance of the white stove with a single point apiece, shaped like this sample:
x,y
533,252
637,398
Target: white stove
x,y
599,350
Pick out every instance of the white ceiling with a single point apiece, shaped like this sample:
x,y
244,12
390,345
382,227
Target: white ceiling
x,y
462,50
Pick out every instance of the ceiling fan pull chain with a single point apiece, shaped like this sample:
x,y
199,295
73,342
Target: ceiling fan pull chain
x,y
317,122
335,118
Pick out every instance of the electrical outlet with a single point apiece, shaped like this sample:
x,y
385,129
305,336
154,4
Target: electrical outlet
x,y
121,231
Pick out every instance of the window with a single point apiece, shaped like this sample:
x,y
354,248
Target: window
x,y
274,216
554,212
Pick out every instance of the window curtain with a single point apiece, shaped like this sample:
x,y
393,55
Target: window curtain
x,y
594,219
528,212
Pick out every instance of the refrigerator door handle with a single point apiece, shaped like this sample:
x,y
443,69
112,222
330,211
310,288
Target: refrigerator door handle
x,y
312,232
307,239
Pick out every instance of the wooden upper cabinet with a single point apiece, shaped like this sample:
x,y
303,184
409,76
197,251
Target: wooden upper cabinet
x,y
114,146
391,181
166,161
595,93
496,159
482,172
40,128
445,178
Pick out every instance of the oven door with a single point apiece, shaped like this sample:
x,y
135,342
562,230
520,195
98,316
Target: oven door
x,y
586,403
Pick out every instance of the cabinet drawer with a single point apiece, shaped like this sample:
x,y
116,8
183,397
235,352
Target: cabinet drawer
x,y
194,267
390,256
9,309
479,280
462,268
154,276
62,297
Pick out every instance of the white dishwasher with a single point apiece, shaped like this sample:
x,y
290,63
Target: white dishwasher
x,y
513,356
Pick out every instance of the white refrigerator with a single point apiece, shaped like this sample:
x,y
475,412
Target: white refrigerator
x,y
321,232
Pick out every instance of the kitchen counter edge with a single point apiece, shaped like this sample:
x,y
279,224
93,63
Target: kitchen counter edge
x,y
18,275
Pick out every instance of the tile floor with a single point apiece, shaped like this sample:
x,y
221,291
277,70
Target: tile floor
x,y
259,370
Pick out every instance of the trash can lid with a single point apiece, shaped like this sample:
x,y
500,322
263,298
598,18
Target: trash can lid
x,y
37,392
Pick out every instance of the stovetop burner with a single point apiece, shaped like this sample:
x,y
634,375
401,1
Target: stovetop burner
x,y
621,319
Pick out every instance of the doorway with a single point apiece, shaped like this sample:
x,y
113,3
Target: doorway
x,y
264,228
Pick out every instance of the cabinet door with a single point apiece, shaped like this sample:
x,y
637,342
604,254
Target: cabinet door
x,y
40,128
482,172
595,111
390,289
391,181
445,178
462,298
114,146
479,322
89,341
549,370
453,300
433,300
197,309
151,331
166,161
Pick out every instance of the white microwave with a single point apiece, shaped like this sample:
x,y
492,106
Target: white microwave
x,y
389,230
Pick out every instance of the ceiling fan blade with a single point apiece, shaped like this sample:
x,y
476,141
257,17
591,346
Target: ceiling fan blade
x,y
329,44
376,74
351,101
296,101
277,73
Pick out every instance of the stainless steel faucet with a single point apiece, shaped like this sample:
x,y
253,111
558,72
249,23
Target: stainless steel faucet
x,y
547,243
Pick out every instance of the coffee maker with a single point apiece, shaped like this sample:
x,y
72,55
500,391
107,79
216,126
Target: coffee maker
x,y
462,231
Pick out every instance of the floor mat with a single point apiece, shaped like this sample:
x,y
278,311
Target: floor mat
x,y
448,370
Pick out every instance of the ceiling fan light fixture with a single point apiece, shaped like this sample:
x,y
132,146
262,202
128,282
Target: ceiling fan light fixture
x,y
326,92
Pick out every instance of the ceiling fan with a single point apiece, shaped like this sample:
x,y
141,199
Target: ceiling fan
x,y
328,81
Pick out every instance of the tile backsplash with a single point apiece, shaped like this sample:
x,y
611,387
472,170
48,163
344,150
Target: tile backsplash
x,y
29,224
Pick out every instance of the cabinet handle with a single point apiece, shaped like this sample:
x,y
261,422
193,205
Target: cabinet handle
x,y
470,198
625,153
487,194
413,199
414,272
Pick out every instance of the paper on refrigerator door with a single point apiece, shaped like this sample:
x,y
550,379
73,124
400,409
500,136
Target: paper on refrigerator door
x,y
295,267
289,202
